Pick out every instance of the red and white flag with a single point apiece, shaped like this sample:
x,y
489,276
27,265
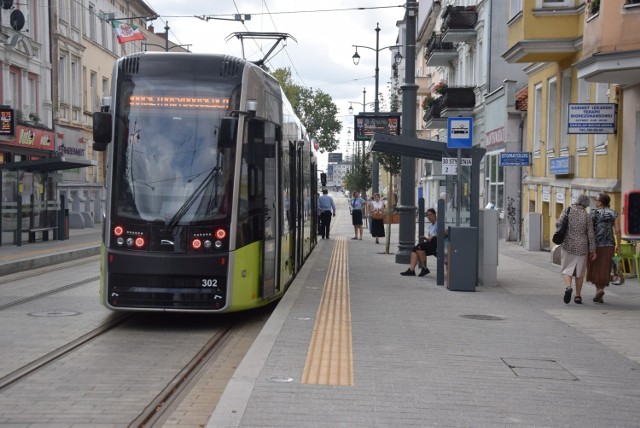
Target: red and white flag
x,y
126,32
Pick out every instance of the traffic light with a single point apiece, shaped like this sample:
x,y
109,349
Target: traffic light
x,y
632,215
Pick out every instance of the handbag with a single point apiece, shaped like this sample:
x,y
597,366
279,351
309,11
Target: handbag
x,y
561,230
377,215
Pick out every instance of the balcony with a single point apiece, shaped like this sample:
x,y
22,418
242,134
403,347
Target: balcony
x,y
547,34
432,117
457,101
610,50
439,52
459,24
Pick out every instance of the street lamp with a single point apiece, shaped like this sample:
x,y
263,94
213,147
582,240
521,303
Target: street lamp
x,y
376,109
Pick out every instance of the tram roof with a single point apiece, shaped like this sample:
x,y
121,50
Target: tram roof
x,y
56,163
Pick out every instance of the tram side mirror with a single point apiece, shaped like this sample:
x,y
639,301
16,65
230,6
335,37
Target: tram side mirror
x,y
101,130
227,132
632,215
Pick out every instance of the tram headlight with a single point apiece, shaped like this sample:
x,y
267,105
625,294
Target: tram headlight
x,y
129,242
196,244
208,244
120,241
118,230
218,244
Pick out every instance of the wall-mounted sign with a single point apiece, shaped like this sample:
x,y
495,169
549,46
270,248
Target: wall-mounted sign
x,y
7,121
592,118
33,138
515,159
561,165
367,124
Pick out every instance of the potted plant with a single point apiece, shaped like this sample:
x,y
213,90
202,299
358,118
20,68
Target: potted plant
x,y
428,102
594,7
440,87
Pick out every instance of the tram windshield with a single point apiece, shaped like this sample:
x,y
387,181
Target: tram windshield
x,y
168,164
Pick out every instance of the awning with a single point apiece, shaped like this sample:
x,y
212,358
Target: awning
x,y
47,164
421,149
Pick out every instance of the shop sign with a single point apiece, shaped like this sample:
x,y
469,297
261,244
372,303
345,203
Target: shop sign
x,y
33,138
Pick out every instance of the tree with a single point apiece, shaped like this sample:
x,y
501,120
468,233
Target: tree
x,y
316,110
391,164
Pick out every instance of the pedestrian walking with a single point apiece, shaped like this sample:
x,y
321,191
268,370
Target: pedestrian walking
x,y
606,227
377,217
327,209
579,242
358,205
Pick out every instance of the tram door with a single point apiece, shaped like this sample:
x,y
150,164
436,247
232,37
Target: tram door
x,y
271,243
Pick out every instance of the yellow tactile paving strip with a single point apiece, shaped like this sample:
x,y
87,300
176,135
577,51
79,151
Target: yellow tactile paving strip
x,y
329,357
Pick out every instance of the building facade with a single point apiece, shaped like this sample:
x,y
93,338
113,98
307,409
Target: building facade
x,y
57,68
567,81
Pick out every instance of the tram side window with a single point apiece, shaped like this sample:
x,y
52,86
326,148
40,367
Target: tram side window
x,y
251,191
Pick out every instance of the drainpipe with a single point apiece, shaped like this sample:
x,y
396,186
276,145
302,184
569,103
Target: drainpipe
x,y
523,116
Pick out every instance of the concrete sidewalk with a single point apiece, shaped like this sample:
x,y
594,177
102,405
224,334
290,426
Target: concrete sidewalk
x,y
511,354
81,243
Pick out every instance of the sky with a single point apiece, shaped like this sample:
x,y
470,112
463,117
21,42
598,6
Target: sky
x,y
319,52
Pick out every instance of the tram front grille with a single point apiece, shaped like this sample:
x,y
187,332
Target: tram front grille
x,y
170,292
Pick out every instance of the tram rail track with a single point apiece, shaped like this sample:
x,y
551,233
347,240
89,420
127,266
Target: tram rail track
x,y
161,407
48,293
60,352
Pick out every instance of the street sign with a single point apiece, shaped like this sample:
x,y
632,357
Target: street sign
x,y
450,165
460,132
515,159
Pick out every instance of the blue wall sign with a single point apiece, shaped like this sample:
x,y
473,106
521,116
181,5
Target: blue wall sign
x,y
560,165
515,159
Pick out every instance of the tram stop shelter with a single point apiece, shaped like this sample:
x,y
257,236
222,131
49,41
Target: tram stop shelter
x,y
30,201
463,241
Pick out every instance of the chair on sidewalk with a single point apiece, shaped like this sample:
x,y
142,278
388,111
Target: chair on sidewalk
x,y
630,258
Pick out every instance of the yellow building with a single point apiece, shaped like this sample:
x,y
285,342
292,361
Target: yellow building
x,y
573,125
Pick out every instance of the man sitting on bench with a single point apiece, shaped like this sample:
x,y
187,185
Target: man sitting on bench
x,y
429,247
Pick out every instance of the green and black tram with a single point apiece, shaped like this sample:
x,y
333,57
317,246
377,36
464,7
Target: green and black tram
x,y
211,185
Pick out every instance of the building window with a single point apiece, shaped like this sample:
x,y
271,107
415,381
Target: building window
x,y
564,120
15,88
537,116
92,23
495,180
515,7
32,81
600,140
63,10
552,108
583,97
555,3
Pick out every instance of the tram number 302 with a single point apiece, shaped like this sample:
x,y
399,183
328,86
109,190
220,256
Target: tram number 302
x,y
209,283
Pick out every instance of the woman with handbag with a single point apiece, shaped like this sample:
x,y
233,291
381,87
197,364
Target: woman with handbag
x,y
377,217
606,227
579,241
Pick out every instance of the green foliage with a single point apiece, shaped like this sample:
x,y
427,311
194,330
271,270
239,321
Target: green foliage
x,y
359,177
390,163
315,109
